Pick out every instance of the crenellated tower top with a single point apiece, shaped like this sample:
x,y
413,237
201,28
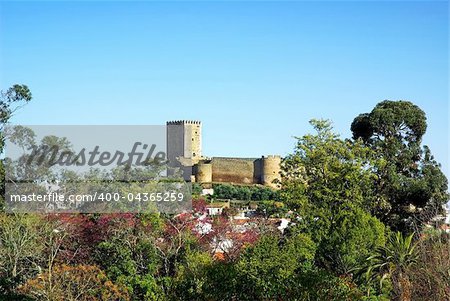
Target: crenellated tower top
x,y
181,122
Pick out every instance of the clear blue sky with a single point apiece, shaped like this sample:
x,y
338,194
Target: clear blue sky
x,y
253,72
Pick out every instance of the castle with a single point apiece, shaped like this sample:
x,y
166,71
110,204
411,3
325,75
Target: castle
x,y
184,152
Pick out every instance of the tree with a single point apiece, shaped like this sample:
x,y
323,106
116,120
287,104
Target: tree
x,y
326,171
254,193
29,244
266,269
324,176
83,236
271,209
128,255
73,283
21,247
190,282
409,183
394,261
10,101
430,275
312,283
389,123
350,240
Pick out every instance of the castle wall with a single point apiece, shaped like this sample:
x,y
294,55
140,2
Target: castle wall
x,y
234,170
184,152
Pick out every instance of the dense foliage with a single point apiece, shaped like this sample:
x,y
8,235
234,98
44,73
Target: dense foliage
x,y
410,185
350,207
245,193
10,101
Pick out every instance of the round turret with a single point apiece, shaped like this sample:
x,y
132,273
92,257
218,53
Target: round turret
x,y
270,170
204,172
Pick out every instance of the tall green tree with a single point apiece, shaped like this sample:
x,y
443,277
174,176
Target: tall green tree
x,y
410,186
326,174
329,182
10,101
12,239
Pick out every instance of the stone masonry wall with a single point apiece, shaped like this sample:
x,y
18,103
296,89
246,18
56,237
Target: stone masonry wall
x,y
236,170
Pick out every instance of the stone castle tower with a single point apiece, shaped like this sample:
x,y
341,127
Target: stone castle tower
x,y
184,152
184,145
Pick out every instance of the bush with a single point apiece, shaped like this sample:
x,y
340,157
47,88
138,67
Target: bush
x,y
81,282
430,276
267,268
245,193
350,240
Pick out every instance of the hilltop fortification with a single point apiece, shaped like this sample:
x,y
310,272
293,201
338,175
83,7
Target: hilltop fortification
x,y
184,152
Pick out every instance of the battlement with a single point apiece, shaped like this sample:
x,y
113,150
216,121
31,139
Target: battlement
x,y
181,122
271,157
233,159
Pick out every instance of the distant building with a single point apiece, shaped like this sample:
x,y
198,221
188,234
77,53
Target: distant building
x,y
216,208
184,152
